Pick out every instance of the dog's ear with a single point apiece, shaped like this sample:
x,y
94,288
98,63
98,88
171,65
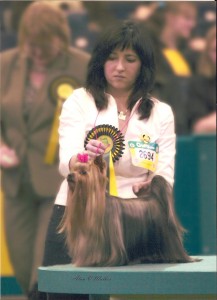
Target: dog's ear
x,y
71,178
71,181
99,161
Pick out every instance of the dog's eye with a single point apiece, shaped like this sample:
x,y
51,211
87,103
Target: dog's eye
x,y
83,172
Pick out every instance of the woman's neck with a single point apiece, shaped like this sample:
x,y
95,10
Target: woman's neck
x,y
169,38
121,99
37,75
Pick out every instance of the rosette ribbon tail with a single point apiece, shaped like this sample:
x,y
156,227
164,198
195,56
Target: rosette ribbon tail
x,y
53,139
112,184
59,90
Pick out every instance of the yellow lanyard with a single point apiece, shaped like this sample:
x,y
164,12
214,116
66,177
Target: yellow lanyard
x,y
177,62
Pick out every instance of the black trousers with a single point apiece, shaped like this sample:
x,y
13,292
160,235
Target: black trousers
x,y
55,253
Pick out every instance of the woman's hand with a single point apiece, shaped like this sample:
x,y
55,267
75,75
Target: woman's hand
x,y
141,188
205,124
95,148
8,157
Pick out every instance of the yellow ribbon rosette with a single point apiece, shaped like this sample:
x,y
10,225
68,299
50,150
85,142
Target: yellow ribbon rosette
x,y
114,140
60,89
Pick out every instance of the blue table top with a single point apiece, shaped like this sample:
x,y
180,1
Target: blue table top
x,y
183,278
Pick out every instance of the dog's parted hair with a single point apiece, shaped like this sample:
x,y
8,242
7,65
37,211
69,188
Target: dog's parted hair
x,y
103,230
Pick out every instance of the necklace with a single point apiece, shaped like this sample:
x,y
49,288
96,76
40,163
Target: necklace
x,y
125,123
122,115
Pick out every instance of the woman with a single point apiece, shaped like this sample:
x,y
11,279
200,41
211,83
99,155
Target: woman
x,y
202,92
36,77
119,80
171,26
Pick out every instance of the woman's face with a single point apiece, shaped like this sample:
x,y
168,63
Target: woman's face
x,y
121,70
183,21
41,54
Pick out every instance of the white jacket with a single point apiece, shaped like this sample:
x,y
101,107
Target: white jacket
x,y
79,115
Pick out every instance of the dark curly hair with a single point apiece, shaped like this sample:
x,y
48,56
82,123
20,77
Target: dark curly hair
x,y
123,35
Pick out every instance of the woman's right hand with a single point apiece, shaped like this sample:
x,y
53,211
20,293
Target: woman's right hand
x,y
8,157
95,148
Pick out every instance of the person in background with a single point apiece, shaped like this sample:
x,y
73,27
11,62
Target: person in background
x,y
202,90
82,33
171,26
36,78
143,11
10,13
117,93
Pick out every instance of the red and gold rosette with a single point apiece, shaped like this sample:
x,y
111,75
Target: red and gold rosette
x,y
114,140
60,89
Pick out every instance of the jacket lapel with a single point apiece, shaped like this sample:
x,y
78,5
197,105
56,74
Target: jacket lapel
x,y
44,105
17,84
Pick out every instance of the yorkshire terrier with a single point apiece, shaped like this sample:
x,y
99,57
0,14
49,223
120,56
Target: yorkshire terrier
x,y
103,230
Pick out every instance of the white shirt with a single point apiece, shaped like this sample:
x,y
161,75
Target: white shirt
x,y
79,115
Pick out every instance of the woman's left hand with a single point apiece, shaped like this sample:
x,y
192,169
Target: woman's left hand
x,y
141,187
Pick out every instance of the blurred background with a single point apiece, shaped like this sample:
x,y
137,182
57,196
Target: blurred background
x,y
88,18
193,100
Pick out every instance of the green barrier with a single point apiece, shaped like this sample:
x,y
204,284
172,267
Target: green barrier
x,y
195,191
9,286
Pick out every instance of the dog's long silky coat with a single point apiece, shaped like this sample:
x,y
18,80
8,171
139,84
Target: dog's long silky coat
x,y
102,230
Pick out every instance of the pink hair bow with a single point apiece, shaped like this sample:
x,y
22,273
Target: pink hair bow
x,y
82,157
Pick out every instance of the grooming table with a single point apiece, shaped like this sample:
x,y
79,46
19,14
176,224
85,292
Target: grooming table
x,y
198,278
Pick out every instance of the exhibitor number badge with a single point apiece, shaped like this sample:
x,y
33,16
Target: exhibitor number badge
x,y
144,155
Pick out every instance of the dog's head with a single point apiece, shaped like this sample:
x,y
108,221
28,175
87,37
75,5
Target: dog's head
x,y
86,195
89,172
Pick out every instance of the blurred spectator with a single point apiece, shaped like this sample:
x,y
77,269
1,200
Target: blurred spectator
x,y
104,13
83,34
144,11
171,26
206,18
100,14
10,13
36,77
122,10
202,90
